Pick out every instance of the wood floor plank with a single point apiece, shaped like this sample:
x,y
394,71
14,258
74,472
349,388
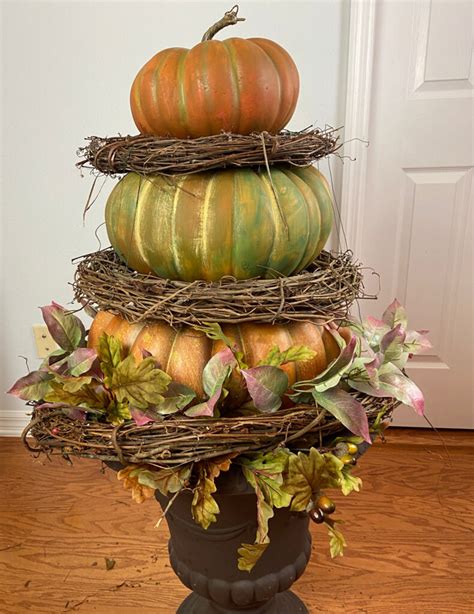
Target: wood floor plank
x,y
410,535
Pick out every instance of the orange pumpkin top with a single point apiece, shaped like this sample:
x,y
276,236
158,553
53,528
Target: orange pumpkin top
x,y
236,85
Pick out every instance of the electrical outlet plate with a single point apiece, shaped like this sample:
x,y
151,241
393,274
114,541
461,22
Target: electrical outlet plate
x,y
45,344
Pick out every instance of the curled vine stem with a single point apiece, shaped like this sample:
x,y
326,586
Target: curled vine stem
x,y
230,19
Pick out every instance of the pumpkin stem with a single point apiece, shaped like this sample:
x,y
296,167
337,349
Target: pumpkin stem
x,y
230,19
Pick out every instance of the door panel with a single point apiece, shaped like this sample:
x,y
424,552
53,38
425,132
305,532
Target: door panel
x,y
416,225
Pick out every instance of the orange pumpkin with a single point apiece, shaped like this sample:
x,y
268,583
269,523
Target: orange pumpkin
x,y
184,352
236,85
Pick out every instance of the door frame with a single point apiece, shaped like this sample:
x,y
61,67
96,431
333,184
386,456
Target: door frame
x,y
357,121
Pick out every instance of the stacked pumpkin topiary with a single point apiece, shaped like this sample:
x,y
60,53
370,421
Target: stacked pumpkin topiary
x,y
237,424
242,223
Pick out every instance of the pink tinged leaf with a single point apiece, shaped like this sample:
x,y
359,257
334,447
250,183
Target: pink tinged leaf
x,y
374,330
176,397
32,387
140,416
332,375
345,408
368,387
395,314
391,344
417,342
205,409
65,328
81,361
372,368
147,354
403,389
217,370
266,386
75,413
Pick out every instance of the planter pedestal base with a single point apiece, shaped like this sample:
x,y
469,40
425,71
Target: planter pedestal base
x,y
283,603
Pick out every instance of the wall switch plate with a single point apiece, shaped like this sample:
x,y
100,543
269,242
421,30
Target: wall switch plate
x,y
45,344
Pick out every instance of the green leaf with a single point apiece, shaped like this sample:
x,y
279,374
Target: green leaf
x,y
109,352
140,384
337,543
345,408
266,386
92,396
118,413
265,471
204,507
276,358
249,555
73,384
167,481
349,483
214,332
307,474
332,375
32,387
64,327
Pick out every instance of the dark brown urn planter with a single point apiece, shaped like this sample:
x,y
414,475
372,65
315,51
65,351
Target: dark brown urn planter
x,y
206,560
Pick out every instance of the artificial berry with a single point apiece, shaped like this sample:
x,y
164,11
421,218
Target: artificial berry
x,y
326,505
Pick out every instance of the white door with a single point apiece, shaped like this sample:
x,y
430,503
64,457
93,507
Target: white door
x,y
407,200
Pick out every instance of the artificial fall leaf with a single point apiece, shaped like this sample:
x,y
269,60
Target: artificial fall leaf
x,y
266,386
395,314
337,543
307,474
118,412
217,371
73,384
32,387
349,482
264,473
204,507
276,358
109,352
214,331
81,361
131,482
142,384
91,396
65,328
167,481
249,555
347,409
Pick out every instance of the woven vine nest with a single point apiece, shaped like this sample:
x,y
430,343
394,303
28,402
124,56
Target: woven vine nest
x,y
151,155
179,440
323,292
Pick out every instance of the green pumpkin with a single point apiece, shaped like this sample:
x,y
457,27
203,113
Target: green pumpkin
x,y
223,222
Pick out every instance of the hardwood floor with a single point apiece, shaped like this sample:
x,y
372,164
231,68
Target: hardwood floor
x,y
409,533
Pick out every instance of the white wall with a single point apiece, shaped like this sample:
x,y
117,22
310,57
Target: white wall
x,y
66,72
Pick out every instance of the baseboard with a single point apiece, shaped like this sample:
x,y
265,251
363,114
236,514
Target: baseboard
x,y
12,424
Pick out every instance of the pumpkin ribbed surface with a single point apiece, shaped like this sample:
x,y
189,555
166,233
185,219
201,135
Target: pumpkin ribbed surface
x,y
237,85
226,222
184,352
